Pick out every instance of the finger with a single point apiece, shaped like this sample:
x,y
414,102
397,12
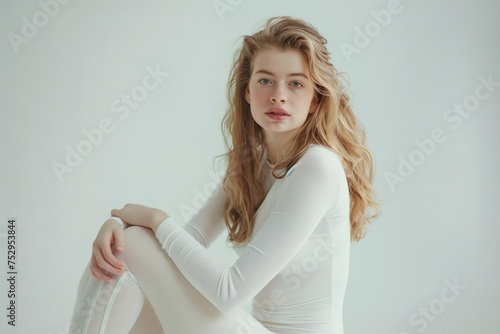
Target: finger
x,y
114,267
107,254
116,212
100,275
103,264
97,272
119,240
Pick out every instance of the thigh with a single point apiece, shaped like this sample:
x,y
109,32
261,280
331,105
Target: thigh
x,y
148,321
179,306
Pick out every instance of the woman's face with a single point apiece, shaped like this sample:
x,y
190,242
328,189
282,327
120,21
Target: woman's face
x,y
280,92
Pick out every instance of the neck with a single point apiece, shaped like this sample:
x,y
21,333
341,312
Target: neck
x,y
276,144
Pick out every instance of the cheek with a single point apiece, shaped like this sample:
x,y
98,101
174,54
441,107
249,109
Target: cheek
x,y
258,95
307,99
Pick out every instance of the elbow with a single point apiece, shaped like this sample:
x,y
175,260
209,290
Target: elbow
x,y
230,294
197,233
225,307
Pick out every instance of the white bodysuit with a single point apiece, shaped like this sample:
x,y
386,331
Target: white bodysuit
x,y
295,265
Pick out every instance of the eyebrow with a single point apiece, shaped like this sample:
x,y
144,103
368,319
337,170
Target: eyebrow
x,y
289,75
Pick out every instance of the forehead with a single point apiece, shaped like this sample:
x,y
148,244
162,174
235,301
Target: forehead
x,y
280,62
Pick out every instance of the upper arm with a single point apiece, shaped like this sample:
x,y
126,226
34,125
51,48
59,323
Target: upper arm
x,y
309,191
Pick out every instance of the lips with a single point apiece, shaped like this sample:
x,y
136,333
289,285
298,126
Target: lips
x,y
277,114
277,111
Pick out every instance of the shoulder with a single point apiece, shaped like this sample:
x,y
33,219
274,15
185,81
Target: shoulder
x,y
321,153
318,175
318,160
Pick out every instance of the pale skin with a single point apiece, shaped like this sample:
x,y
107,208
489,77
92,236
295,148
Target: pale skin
x,y
103,263
280,79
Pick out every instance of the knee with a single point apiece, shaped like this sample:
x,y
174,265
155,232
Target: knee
x,y
134,232
142,251
137,239
138,236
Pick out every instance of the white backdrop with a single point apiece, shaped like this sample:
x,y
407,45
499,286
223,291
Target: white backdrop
x,y
426,84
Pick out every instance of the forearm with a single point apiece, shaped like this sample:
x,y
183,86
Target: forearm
x,y
140,215
119,221
157,222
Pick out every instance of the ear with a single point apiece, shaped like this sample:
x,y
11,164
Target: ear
x,y
247,95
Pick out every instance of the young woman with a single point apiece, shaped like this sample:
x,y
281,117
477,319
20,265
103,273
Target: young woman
x,y
297,191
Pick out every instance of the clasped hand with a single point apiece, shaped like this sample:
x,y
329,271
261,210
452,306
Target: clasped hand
x,y
140,215
110,239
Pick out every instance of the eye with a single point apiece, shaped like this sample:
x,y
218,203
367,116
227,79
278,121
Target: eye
x,y
264,81
296,84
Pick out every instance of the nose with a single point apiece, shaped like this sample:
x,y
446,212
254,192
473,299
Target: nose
x,y
278,95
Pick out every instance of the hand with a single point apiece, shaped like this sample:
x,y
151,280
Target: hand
x,y
140,215
103,263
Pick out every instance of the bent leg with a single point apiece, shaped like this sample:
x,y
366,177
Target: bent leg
x,y
148,321
180,308
106,307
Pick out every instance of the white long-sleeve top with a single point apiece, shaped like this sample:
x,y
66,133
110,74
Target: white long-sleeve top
x,y
294,266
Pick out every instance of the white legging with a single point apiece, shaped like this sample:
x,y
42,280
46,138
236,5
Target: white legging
x,y
151,297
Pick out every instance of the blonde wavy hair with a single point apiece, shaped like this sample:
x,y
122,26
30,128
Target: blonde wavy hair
x,y
332,125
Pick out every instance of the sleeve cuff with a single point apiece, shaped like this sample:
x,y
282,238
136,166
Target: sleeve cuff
x,y
166,232
119,221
